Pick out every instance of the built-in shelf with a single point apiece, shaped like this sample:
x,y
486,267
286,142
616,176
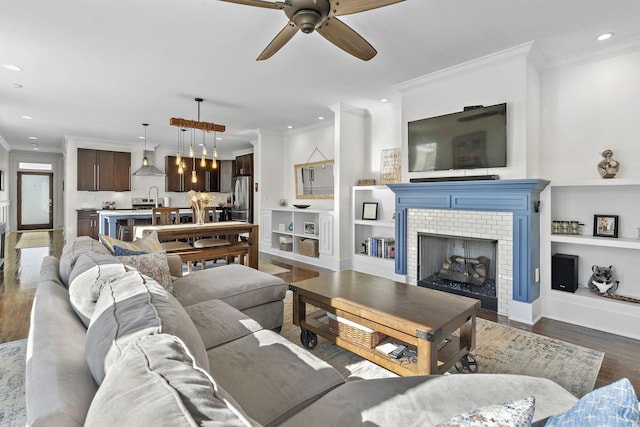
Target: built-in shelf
x,y
605,242
613,182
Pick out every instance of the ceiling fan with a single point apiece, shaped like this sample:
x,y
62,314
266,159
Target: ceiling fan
x,y
320,15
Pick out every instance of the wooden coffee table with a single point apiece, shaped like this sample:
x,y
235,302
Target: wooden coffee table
x,y
422,318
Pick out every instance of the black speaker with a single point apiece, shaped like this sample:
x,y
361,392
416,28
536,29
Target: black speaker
x,y
564,272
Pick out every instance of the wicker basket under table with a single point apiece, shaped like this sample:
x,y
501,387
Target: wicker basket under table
x,y
356,334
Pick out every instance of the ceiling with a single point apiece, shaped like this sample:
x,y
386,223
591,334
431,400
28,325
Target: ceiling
x,y
98,69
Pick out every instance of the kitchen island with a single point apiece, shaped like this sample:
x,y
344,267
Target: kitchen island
x,y
108,219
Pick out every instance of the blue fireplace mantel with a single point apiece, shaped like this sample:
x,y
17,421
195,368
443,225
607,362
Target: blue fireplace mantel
x,y
519,196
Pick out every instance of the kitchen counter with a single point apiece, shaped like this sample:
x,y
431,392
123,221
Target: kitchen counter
x,y
108,218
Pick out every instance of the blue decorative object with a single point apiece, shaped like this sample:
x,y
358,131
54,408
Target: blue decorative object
x,y
615,405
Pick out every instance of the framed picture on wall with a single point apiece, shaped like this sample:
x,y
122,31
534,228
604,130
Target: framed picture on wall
x,y
310,228
605,225
370,210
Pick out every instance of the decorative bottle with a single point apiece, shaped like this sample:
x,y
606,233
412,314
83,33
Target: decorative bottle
x,y
608,167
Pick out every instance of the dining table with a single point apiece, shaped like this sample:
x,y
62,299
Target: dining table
x,y
242,236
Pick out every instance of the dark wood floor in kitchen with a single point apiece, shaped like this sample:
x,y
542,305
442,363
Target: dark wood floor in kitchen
x,y
22,267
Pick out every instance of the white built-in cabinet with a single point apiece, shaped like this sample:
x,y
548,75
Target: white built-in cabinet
x,y
364,230
283,231
580,200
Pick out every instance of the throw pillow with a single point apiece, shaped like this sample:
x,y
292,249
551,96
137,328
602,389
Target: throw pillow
x,y
153,264
149,243
615,405
131,305
120,251
514,414
157,383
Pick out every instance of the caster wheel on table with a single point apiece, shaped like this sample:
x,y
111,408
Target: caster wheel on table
x,y
467,363
308,338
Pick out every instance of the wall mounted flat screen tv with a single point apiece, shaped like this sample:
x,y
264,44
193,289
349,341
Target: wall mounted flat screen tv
x,y
470,139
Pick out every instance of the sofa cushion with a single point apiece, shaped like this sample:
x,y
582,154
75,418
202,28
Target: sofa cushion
x,y
58,384
428,400
72,251
131,305
237,285
152,264
149,243
219,323
157,383
613,405
270,377
89,273
515,413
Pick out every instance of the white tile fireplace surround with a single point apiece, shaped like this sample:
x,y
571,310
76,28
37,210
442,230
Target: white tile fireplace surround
x,y
469,224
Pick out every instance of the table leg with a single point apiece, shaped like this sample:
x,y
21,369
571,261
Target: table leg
x,y
427,357
468,333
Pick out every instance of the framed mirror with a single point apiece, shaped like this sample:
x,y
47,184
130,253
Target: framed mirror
x,y
314,180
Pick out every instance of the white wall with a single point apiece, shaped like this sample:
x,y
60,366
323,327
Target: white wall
x,y
587,109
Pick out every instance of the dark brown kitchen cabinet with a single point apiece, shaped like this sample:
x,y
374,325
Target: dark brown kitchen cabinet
x,y
208,179
244,165
100,170
87,223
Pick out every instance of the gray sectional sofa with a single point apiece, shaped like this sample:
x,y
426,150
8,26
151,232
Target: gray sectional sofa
x,y
110,345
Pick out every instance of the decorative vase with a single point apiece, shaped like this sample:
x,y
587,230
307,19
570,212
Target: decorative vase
x,y
200,216
608,167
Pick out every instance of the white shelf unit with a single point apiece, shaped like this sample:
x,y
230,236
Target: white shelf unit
x,y
580,200
297,225
384,226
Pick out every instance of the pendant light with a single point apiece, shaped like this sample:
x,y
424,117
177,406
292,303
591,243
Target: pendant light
x,y
214,156
147,169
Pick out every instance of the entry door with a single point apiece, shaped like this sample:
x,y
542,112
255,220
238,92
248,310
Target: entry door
x,y
35,200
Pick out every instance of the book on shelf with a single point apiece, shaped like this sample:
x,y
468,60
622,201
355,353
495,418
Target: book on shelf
x,y
381,247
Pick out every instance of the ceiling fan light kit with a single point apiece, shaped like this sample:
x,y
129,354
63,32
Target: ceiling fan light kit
x,y
311,15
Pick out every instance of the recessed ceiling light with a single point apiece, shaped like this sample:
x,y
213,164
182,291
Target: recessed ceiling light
x,y
35,146
384,100
11,67
289,127
320,118
218,138
27,117
141,137
33,137
605,36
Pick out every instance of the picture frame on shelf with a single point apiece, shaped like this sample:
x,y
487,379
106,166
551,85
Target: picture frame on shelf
x,y
370,211
310,228
605,225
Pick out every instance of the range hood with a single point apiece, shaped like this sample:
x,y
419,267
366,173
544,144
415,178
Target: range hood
x,y
148,170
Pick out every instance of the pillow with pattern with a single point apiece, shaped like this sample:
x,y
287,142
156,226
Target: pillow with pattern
x,y
615,405
152,264
516,413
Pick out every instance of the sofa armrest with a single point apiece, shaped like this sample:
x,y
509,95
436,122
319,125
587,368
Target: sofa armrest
x,y
175,265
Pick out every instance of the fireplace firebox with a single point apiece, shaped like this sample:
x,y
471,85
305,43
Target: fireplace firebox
x,y
459,265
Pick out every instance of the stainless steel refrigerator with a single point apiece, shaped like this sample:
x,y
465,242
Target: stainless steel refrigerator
x,y
242,209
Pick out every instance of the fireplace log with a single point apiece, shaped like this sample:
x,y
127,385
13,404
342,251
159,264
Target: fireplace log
x,y
465,270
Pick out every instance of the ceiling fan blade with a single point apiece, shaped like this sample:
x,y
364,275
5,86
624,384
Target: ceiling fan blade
x,y
260,3
347,7
343,36
278,41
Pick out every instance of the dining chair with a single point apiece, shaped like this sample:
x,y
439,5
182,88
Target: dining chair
x,y
209,242
169,216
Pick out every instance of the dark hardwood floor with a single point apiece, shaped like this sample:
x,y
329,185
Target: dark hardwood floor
x,y
22,267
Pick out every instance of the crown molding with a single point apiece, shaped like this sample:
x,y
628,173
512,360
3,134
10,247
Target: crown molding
x,y
517,52
611,50
4,144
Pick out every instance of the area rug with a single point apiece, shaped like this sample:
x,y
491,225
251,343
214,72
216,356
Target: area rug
x,y
33,239
12,366
499,349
